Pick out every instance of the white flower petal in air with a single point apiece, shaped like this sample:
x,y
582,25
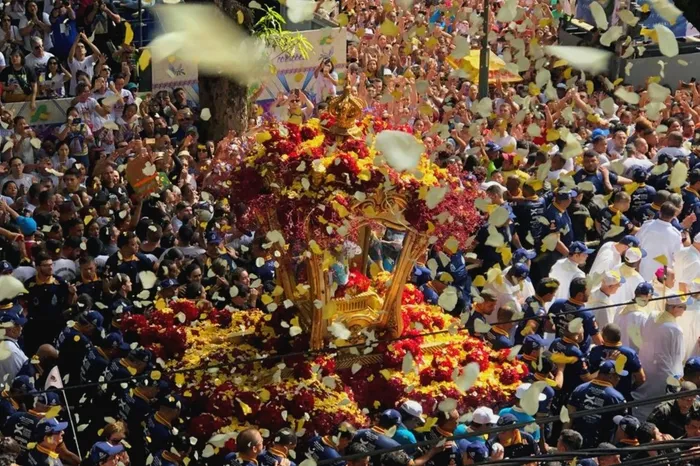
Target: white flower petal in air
x,y
466,378
407,365
668,44
611,35
507,12
205,114
10,287
599,16
667,10
401,150
564,415
299,11
628,96
530,402
462,47
586,59
575,325
339,330
679,173
658,93
448,298
628,17
435,196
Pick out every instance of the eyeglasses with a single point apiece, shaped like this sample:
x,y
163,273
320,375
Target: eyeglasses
x,y
38,47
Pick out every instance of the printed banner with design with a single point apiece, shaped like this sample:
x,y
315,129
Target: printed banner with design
x,y
296,72
173,73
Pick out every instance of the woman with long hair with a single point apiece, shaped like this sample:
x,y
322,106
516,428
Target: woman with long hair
x,y
52,81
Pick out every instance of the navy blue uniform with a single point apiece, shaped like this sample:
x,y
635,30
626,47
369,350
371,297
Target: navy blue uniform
x,y
609,217
643,195
562,309
558,222
322,448
449,457
157,433
499,339
165,458
8,407
375,439
93,365
548,392
595,428
138,263
72,348
600,353
475,315
526,220
39,456
533,309
232,459
47,301
595,178
489,255
20,426
573,371
523,446
272,457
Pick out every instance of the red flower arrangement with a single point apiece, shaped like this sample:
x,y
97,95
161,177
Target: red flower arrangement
x,y
203,426
187,307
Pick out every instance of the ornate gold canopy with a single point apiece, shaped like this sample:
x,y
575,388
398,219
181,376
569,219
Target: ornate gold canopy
x,y
346,109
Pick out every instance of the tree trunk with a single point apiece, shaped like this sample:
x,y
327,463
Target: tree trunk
x,y
226,99
691,11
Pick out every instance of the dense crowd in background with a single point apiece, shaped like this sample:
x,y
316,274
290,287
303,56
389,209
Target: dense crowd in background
x,y
77,235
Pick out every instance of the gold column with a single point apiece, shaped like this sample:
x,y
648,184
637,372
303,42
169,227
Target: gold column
x,y
318,297
414,245
364,239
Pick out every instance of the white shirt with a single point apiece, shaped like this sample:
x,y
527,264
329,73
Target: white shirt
x,y
603,316
37,64
10,365
25,180
657,238
686,265
36,32
118,107
86,65
565,270
507,294
24,273
607,259
89,115
661,356
55,85
625,293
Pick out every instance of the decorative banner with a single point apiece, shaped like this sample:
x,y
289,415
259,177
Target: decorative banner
x,y
173,72
48,112
142,176
295,72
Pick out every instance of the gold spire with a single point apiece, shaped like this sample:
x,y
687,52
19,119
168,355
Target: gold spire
x,y
347,110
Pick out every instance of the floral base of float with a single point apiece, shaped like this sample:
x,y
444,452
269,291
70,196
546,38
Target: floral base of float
x,y
205,353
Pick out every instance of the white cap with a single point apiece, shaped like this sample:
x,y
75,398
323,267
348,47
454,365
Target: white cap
x,y
520,392
414,409
484,415
696,239
611,277
487,184
633,255
677,301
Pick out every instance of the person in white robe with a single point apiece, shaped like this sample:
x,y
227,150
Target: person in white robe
x,y
663,286
568,268
633,316
686,263
609,255
661,354
629,271
601,297
660,240
509,291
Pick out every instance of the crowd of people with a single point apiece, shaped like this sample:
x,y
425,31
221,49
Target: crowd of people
x,y
598,250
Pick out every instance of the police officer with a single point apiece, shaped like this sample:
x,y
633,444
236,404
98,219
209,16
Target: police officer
x,y
534,310
598,393
48,297
16,399
566,351
516,443
642,195
375,437
610,350
499,334
331,446
530,351
481,311
160,426
283,442
98,357
527,213
566,310
49,435
557,216
74,343
128,260
614,215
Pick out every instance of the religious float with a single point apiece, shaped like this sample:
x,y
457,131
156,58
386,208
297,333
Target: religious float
x,y
350,350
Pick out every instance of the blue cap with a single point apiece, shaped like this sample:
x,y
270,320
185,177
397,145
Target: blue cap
x,y
522,254
692,365
421,274
477,451
577,247
532,343
564,193
23,383
49,426
629,240
507,419
50,398
213,237
492,146
93,318
14,317
639,174
5,268
141,354
103,450
643,289
171,401
168,283
27,225
389,418
629,424
115,340
608,367
599,132
519,270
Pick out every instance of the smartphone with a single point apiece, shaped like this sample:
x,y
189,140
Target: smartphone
x,y
150,141
77,121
